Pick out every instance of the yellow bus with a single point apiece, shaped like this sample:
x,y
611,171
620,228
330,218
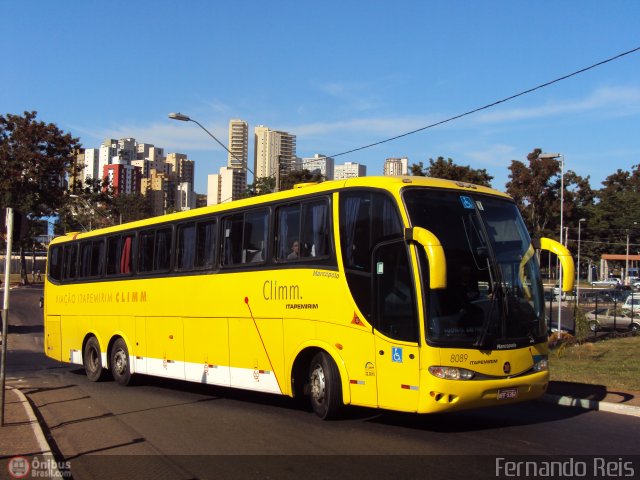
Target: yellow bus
x,y
405,293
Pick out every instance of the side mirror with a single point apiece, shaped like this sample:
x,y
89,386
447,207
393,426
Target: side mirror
x,y
435,255
564,256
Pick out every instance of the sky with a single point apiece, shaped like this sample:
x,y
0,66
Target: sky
x,y
337,74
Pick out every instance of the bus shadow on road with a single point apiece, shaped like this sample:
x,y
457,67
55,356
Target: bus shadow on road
x,y
491,418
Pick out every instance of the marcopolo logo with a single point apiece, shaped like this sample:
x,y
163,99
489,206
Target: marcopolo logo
x,y
23,467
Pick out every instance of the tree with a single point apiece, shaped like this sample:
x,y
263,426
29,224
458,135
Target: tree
x,y
614,214
441,168
536,189
130,207
290,179
36,158
260,186
87,209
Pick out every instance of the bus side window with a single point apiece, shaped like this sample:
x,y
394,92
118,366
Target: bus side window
x,y
186,247
84,262
126,258
232,239
162,251
206,243
288,244
119,257
55,263
256,228
315,230
69,257
97,258
91,259
146,240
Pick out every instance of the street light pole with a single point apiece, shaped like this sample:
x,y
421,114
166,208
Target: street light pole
x,y
578,269
626,266
561,157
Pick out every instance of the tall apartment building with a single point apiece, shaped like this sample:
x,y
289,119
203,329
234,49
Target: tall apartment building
x,y
77,174
396,166
180,168
238,144
91,163
221,187
149,157
111,151
124,178
185,197
349,170
274,152
321,164
157,188
237,159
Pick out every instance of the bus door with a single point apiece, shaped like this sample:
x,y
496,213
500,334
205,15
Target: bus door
x,y
396,327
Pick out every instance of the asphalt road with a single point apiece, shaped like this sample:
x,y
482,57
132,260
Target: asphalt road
x,y
170,429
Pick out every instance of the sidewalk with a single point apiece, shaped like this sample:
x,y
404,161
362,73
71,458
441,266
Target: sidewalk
x,y
593,397
22,440
21,433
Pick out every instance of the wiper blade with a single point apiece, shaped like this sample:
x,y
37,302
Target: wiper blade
x,y
489,319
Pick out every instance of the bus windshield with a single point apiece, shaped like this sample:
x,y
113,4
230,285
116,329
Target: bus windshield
x,y
493,297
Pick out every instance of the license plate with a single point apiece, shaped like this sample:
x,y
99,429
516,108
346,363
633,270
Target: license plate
x,y
507,393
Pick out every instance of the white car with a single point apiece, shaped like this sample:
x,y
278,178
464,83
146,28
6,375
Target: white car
x,y
606,318
609,282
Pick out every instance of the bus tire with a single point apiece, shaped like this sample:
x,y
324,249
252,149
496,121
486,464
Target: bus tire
x,y
325,387
119,362
92,360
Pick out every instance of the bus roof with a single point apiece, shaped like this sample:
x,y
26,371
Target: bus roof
x,y
390,183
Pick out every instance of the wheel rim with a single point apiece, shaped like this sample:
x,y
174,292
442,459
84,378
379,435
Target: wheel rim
x,y
94,360
318,384
120,362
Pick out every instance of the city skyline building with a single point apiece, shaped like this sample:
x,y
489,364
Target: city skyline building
x,y
91,163
349,170
238,144
221,187
321,164
274,153
123,178
396,166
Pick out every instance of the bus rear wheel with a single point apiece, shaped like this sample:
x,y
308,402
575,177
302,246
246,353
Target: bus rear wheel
x,y
92,359
119,362
325,387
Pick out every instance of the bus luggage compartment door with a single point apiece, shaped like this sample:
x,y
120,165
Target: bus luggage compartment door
x,y
53,341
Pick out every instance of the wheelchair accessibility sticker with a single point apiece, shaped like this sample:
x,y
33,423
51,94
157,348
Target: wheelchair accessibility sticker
x,y
466,202
396,354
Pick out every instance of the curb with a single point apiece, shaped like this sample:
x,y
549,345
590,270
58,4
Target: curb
x,y
38,433
586,404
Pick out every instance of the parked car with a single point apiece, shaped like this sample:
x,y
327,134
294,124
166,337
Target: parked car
x,y
605,317
632,303
609,282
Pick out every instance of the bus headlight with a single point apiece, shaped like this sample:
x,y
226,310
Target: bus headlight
x,y
540,363
451,373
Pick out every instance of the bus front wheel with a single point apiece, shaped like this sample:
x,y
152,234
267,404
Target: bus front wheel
x,y
325,387
119,362
92,359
